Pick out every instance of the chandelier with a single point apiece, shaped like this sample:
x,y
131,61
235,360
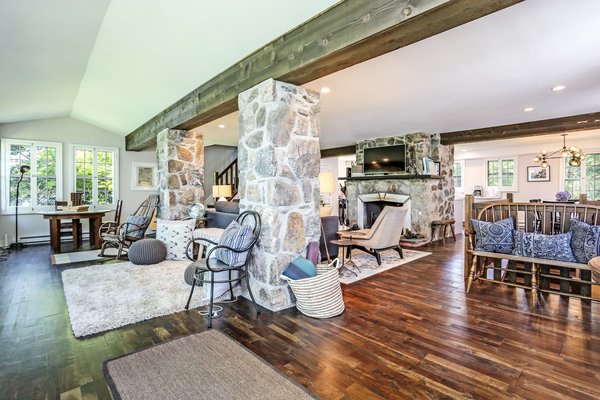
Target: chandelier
x,y
574,152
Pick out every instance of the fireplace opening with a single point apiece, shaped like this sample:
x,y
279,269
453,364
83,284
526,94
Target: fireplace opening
x,y
373,209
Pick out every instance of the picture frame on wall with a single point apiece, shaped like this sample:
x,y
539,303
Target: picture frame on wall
x,y
144,176
536,173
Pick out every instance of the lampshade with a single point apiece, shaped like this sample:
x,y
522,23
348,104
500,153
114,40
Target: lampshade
x,y
220,191
24,169
326,182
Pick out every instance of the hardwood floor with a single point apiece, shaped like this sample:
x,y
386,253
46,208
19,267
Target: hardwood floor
x,y
409,332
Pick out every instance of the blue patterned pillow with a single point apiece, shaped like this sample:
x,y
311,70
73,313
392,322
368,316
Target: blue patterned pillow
x,y
548,247
135,230
585,242
235,236
495,237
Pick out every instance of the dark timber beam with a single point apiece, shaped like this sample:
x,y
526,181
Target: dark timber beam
x,y
535,128
346,34
339,151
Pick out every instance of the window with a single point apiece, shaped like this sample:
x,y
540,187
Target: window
x,y
94,174
41,185
583,179
502,173
459,177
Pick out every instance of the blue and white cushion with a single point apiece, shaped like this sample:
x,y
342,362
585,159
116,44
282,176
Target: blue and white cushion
x,y
132,226
175,235
235,236
585,241
495,237
548,247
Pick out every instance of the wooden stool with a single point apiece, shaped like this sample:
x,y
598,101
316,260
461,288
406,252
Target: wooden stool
x,y
594,264
443,223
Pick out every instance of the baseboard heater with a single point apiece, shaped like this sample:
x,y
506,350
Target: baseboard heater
x,y
45,239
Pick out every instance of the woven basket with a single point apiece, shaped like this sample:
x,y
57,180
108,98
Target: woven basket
x,y
319,296
595,266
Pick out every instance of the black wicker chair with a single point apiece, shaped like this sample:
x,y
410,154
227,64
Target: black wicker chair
x,y
212,265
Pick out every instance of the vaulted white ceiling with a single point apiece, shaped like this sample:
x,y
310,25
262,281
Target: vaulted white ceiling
x,y
117,63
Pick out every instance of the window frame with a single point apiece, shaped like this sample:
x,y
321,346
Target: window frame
x,y
5,144
583,174
95,178
460,189
515,174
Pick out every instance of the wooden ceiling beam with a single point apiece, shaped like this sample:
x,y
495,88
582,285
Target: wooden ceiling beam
x,y
572,123
346,34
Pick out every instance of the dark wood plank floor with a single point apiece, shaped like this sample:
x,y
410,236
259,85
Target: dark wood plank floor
x,y
407,333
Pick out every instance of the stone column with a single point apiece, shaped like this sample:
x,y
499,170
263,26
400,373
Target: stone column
x,y
180,171
279,158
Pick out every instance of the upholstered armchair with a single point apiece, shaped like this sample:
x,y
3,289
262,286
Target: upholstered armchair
x,y
384,234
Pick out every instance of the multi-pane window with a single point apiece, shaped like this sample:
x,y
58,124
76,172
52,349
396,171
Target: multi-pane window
x,y
501,173
458,174
585,178
95,174
41,184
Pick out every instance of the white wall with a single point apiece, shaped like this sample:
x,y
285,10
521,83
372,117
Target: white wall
x,y
331,165
69,131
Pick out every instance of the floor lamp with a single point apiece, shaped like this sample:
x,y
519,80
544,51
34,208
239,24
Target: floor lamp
x,y
17,245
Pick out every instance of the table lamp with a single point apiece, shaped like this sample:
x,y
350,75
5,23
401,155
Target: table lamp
x,y
221,192
326,184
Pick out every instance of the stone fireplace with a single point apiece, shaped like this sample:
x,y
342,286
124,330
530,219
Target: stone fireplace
x,y
429,198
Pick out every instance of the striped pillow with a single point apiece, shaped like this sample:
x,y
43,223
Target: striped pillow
x,y
235,236
136,229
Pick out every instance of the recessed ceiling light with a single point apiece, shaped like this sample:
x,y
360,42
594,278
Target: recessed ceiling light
x,y
528,109
325,90
221,126
558,88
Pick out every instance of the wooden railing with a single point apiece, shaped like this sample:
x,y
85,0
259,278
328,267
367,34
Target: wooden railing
x,y
229,176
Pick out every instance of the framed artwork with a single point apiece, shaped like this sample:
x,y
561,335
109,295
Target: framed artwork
x,y
437,168
538,174
144,176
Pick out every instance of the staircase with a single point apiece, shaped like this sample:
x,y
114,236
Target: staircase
x,y
229,176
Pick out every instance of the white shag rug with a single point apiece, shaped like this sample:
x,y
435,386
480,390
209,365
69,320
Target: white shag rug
x,y
368,264
103,297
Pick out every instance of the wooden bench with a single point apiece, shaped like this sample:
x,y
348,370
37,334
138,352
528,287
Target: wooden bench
x,y
538,275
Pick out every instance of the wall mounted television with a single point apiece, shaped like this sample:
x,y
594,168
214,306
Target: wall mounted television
x,y
385,160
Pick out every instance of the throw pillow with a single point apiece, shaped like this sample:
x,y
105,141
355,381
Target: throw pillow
x,y
549,247
585,241
494,237
294,273
229,207
134,230
235,236
305,265
175,235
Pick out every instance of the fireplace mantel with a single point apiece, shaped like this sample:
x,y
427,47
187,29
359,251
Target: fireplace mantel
x,y
382,177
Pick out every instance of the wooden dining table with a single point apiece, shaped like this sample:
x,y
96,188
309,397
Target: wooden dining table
x,y
94,216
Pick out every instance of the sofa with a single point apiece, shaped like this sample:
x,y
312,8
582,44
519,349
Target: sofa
x,y
223,214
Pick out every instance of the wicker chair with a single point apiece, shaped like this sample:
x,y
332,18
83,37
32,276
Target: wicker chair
x,y
133,229
384,234
212,265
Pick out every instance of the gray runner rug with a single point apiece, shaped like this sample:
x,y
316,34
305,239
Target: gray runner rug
x,y
209,365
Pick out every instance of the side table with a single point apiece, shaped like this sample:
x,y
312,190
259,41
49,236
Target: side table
x,y
348,244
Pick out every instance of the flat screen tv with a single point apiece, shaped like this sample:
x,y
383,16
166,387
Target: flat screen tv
x,y
385,160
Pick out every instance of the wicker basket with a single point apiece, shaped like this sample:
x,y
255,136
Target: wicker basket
x,y
319,296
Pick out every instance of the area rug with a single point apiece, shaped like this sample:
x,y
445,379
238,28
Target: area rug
x,y
368,265
107,296
81,256
209,365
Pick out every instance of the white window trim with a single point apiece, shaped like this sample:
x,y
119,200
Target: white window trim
x,y
73,178
5,174
562,172
462,177
515,186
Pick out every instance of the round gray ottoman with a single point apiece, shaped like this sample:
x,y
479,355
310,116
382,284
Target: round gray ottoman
x,y
188,275
147,251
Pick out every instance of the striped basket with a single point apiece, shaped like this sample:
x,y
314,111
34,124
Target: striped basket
x,y
319,296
